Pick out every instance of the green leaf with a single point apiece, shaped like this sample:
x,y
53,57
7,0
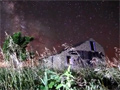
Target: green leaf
x,y
51,84
42,87
59,86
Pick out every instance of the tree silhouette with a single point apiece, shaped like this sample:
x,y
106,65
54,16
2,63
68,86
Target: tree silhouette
x,y
16,44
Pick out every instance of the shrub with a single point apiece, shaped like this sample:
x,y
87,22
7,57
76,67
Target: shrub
x,y
16,44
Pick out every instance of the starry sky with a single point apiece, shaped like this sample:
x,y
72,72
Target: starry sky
x,y
53,23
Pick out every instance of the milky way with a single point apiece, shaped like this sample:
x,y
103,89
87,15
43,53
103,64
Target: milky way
x,y
53,23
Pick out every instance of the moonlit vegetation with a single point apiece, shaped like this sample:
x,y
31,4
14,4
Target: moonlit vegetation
x,y
52,23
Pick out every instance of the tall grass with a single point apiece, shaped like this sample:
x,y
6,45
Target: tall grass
x,y
37,79
28,78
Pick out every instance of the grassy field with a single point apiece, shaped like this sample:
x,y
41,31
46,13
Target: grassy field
x,y
37,79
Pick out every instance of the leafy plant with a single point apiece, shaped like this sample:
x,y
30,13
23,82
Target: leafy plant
x,y
50,80
16,44
53,80
67,80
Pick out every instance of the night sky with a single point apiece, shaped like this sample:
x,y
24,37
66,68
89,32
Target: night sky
x,y
53,23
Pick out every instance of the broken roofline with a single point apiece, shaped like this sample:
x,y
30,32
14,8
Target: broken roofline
x,y
78,44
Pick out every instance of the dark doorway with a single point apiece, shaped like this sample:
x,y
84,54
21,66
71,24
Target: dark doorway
x,y
68,59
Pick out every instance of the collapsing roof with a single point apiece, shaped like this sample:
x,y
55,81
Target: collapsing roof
x,y
87,54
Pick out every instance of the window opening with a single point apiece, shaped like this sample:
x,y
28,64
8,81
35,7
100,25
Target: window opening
x,y
92,45
68,59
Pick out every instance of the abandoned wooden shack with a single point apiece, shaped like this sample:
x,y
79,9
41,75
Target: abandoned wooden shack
x,y
87,54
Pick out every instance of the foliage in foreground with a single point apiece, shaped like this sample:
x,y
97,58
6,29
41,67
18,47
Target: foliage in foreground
x,y
36,79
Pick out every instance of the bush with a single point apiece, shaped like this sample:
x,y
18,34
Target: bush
x,y
16,44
